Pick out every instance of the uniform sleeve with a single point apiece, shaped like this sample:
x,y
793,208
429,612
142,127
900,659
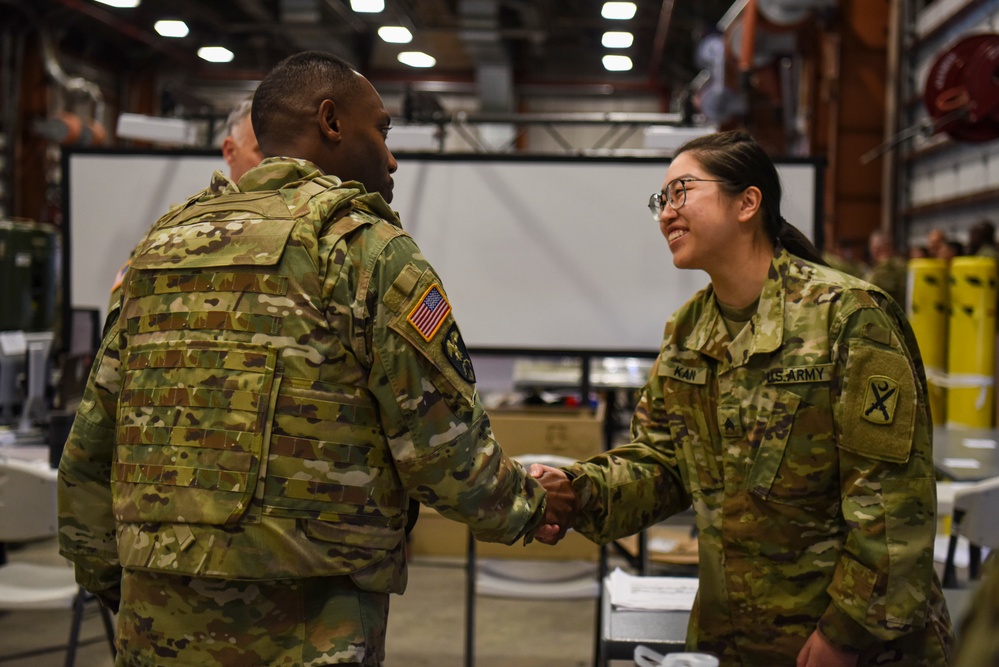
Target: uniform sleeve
x,y
882,582
86,520
423,380
635,485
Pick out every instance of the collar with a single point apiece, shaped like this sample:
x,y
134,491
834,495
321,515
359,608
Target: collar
x,y
274,173
763,334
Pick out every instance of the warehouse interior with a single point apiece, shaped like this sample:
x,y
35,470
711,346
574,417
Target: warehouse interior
x,y
524,131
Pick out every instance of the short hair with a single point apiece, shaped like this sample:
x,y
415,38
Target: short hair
x,y
236,116
293,89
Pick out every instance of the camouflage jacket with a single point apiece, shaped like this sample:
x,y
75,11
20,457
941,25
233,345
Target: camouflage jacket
x,y
284,376
804,447
979,645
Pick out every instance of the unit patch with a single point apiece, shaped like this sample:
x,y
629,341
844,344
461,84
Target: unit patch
x,y
456,352
879,404
430,312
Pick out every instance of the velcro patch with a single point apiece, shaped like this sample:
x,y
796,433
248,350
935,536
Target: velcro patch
x,y
454,349
428,315
879,404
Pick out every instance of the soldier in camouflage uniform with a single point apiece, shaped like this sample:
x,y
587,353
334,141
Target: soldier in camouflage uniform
x,y
284,376
787,406
979,629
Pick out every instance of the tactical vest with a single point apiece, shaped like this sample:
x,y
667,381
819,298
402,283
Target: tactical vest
x,y
247,446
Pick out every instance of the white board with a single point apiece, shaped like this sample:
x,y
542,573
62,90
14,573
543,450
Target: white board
x,y
535,254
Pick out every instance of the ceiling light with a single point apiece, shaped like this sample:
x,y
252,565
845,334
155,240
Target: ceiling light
x,y
215,54
395,34
417,59
120,4
617,40
617,63
174,28
367,6
618,10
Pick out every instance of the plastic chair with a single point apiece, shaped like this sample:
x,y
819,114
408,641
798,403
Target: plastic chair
x,y
975,518
28,512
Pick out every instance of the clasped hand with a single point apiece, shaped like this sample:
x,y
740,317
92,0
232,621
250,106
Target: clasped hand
x,y
562,506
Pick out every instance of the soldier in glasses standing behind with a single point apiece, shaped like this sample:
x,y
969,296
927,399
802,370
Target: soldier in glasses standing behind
x,y
788,407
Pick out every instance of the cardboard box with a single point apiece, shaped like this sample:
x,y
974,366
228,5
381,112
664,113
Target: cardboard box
x,y
573,433
436,535
576,433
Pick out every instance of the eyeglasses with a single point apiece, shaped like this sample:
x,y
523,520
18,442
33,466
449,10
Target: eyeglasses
x,y
675,194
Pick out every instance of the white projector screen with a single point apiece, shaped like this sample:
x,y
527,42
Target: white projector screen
x,y
536,254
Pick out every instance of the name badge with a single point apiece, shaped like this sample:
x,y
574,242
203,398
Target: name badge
x,y
686,374
791,374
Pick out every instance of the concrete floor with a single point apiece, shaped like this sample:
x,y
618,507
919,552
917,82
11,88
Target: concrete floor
x,y
426,625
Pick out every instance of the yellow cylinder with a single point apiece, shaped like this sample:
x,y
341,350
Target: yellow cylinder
x,y
971,334
927,308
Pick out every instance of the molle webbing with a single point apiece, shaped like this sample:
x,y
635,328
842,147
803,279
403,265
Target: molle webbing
x,y
224,418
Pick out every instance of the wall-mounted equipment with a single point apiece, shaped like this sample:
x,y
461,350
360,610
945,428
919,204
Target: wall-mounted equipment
x,y
962,93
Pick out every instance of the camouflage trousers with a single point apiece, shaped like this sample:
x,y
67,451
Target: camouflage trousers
x,y
167,620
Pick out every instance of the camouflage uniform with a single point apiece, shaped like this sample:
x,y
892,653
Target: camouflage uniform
x,y
284,376
979,629
892,276
804,447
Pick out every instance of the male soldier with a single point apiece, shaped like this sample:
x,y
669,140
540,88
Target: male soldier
x,y
239,150
285,376
888,269
979,639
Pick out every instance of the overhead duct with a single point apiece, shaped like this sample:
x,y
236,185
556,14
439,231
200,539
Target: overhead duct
x,y
72,85
480,31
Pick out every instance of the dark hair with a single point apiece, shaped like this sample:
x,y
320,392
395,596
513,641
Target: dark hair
x,y
292,91
737,158
981,234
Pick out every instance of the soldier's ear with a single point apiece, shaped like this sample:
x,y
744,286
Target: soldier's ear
x,y
750,201
329,120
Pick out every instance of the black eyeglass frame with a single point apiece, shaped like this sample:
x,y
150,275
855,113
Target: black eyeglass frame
x,y
656,200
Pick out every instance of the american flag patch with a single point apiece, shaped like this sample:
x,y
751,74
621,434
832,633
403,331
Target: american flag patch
x,y
429,314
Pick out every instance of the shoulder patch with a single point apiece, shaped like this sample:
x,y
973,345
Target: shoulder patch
x,y
120,276
882,396
429,313
879,403
456,352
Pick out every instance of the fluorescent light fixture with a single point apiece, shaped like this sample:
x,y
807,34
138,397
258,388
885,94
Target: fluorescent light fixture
x,y
617,63
617,40
618,10
215,54
367,6
395,34
121,4
417,59
158,130
168,28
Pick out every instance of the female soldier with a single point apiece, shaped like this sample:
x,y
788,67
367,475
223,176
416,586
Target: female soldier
x,y
788,406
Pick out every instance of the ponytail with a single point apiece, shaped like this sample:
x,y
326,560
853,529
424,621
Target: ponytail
x,y
796,243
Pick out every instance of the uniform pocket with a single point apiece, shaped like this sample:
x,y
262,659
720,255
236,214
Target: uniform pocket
x,y
796,460
190,437
772,446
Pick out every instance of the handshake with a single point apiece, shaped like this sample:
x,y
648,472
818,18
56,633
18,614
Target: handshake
x,y
562,505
